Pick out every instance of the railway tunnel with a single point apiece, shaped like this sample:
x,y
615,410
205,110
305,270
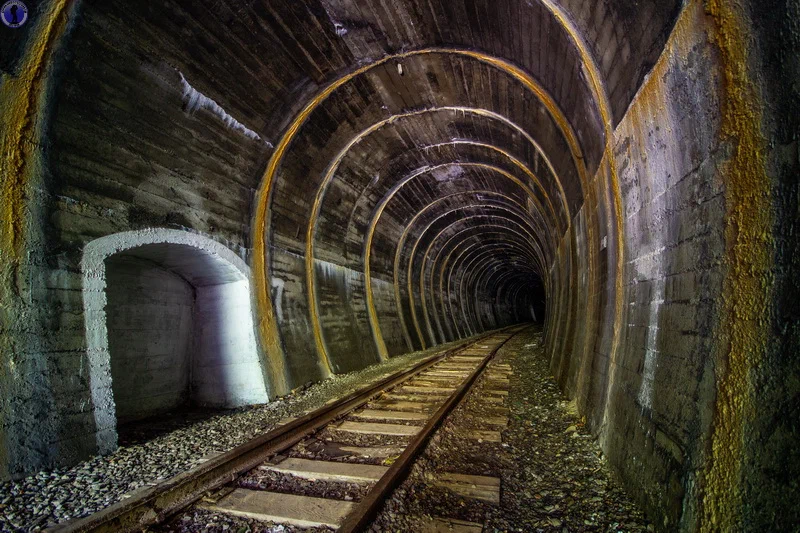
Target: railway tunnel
x,y
219,205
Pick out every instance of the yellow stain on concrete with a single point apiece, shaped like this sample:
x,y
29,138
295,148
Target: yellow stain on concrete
x,y
744,318
21,100
747,286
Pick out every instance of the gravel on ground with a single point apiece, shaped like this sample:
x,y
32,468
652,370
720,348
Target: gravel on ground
x,y
198,520
553,475
156,450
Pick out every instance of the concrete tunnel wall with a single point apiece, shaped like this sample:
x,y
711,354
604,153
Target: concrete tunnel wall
x,y
404,175
149,319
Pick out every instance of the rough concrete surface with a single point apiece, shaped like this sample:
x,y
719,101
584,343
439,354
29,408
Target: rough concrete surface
x,y
341,182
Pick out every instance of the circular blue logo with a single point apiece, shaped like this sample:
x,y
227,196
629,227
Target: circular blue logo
x,y
14,13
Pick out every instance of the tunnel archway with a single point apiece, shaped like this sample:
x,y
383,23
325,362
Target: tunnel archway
x,y
659,134
169,324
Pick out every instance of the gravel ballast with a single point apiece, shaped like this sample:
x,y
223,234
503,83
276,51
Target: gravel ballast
x,y
553,475
152,453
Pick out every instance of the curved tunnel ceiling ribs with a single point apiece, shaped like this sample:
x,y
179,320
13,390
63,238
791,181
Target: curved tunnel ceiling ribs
x,y
425,255
581,111
410,225
470,233
379,211
423,152
513,265
516,162
475,263
445,303
269,327
520,252
467,233
376,218
329,176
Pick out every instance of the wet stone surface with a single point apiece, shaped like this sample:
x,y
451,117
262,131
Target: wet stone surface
x,y
553,476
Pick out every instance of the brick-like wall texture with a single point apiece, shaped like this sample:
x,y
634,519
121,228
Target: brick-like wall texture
x,y
655,402
400,174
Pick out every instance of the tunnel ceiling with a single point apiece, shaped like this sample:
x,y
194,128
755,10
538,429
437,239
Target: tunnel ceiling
x,y
429,145
407,129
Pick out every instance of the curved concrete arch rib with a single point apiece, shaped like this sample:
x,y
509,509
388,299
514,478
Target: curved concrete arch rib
x,y
474,265
468,230
467,261
560,225
487,229
411,257
376,219
535,245
401,245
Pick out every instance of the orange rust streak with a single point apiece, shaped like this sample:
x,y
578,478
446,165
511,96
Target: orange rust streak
x,y
748,282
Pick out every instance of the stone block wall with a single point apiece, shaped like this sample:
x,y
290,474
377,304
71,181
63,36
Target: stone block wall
x,y
657,391
137,118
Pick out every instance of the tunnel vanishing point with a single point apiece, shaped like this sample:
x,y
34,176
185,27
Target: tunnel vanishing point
x,y
217,203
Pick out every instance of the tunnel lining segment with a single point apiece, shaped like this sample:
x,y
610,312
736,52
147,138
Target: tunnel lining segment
x,y
445,303
458,244
425,257
485,272
268,328
604,107
414,316
385,201
412,256
479,261
330,175
469,261
401,245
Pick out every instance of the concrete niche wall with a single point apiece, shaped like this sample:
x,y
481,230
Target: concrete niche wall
x,y
168,323
226,370
150,331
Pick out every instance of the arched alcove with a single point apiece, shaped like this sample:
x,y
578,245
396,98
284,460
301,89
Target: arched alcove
x,y
168,323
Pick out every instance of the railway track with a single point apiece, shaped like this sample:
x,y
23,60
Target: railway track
x,y
369,438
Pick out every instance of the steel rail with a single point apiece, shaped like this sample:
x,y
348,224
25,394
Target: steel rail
x,y
368,508
156,504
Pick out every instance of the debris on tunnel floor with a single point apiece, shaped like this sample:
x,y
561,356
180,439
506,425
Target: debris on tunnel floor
x,y
165,449
553,475
289,489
